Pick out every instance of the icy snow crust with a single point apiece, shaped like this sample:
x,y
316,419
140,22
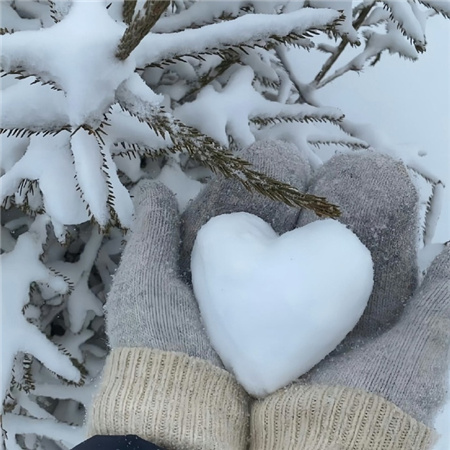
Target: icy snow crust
x,y
274,306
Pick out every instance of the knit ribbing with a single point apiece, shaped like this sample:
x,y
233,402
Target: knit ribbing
x,y
314,417
170,399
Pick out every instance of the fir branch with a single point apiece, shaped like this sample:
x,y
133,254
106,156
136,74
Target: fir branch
x,y
137,150
227,51
128,10
25,187
164,25
364,12
213,75
438,7
420,47
307,118
4,31
224,53
28,379
209,153
376,59
53,11
70,284
140,27
27,132
21,74
341,143
78,365
110,199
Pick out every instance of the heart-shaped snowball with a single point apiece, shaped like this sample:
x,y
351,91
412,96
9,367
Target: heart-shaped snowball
x,y
274,306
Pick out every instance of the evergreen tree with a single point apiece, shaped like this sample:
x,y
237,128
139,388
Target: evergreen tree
x,y
97,96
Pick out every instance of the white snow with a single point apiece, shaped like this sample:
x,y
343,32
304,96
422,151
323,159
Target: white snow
x,y
33,106
48,159
155,47
217,113
89,74
274,306
20,268
184,188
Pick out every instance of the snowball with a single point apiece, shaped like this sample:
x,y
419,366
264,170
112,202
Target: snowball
x,y
274,306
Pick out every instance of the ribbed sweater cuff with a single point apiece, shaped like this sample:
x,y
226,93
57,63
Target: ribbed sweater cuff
x,y
170,399
315,417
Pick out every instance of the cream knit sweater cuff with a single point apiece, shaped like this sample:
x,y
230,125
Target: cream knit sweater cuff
x,y
315,417
170,399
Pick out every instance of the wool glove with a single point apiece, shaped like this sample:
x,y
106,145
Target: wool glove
x,y
162,380
381,388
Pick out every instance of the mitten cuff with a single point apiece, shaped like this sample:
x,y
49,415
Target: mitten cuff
x,y
170,399
315,417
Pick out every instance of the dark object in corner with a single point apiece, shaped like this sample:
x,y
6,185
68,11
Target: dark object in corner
x,y
129,442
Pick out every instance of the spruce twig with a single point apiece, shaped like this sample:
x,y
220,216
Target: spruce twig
x,y
342,46
211,154
128,10
139,26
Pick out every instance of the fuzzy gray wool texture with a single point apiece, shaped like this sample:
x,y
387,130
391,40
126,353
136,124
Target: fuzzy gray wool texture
x,y
378,202
148,304
400,347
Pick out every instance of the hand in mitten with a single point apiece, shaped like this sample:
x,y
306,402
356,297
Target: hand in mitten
x,y
382,387
162,380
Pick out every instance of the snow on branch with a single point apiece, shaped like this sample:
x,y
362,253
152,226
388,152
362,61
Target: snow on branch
x,y
409,20
438,6
21,268
248,28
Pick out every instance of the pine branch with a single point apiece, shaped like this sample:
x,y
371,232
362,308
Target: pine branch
x,y
140,27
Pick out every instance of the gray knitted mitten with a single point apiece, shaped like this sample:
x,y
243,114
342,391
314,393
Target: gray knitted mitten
x,y
162,379
400,353
148,305
381,388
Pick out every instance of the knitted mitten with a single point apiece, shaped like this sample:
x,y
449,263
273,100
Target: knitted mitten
x,y
382,388
162,380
